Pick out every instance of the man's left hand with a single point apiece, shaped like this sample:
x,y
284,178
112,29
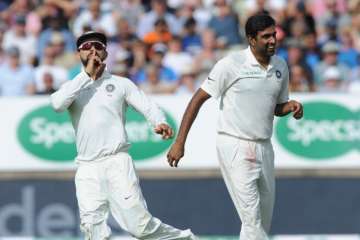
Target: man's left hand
x,y
164,130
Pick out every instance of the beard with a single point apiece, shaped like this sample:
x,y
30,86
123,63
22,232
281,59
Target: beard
x,y
84,61
269,50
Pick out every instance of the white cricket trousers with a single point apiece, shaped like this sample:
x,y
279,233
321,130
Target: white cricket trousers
x,y
248,171
112,185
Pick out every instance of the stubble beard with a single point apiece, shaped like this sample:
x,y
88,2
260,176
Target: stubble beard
x,y
84,61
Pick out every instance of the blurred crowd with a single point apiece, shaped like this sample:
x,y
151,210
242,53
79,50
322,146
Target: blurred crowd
x,y
169,46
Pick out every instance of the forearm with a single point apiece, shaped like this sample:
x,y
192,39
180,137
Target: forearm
x,y
190,114
152,112
63,98
144,105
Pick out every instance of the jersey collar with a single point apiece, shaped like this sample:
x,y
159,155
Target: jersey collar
x,y
252,60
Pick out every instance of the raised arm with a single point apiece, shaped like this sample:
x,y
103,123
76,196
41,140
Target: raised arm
x,y
177,149
69,91
64,97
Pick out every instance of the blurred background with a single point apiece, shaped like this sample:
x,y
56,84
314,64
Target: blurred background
x,y
167,48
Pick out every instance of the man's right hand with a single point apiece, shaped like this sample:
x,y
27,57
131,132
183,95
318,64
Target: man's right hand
x,y
175,154
95,66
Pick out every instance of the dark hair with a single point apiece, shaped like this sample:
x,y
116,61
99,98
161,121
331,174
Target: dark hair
x,y
160,21
258,22
190,22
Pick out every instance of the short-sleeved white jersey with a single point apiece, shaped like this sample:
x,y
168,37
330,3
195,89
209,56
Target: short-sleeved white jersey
x,y
248,93
97,110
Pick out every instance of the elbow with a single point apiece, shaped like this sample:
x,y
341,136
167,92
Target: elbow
x,y
56,104
57,107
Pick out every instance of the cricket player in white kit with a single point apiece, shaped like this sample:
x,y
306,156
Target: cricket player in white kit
x,y
106,179
252,86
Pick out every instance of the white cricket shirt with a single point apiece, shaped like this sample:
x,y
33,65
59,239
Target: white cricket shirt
x,y
248,94
97,110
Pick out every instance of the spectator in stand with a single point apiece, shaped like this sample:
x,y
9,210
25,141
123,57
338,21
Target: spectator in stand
x,y
16,79
60,74
312,50
2,52
299,22
188,83
348,55
204,28
354,85
18,37
15,8
355,22
333,81
158,10
121,59
166,73
62,57
4,5
55,25
296,57
184,11
281,48
248,8
225,24
196,9
331,13
120,69
201,13
125,34
24,8
138,53
154,84
160,34
330,59
330,33
62,10
177,59
191,39
299,81
208,55
48,82
129,10
321,8
95,19
121,44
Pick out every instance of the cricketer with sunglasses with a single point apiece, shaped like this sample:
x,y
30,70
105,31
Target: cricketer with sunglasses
x,y
105,179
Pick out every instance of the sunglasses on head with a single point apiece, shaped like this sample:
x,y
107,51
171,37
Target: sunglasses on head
x,y
88,45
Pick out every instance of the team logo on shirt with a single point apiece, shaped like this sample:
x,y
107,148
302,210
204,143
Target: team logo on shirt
x,y
110,88
278,74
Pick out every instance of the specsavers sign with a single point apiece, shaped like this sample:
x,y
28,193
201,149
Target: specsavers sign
x,y
47,135
327,136
34,137
328,130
